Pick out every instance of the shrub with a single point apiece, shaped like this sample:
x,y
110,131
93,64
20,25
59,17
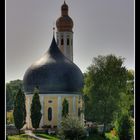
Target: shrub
x,y
72,129
110,136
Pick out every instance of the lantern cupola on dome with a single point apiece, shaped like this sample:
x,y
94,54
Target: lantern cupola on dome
x,y
64,23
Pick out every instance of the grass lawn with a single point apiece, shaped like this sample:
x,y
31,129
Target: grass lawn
x,y
46,136
20,137
95,137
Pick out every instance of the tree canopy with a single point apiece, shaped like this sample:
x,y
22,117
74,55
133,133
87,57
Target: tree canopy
x,y
105,79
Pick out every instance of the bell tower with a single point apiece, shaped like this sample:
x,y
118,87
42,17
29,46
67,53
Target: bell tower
x,y
64,32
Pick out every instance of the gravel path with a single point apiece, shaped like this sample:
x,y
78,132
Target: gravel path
x,y
29,132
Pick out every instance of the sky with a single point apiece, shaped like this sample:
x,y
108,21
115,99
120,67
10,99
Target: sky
x,y
101,27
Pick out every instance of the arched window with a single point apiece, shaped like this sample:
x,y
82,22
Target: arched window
x,y
68,41
65,108
62,41
79,112
49,113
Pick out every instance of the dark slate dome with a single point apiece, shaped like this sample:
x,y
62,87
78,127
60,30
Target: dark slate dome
x,y
53,73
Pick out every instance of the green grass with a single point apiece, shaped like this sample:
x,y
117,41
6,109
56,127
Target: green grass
x,y
95,137
47,136
20,137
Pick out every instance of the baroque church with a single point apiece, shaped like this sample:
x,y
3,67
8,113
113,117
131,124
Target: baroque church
x,y
56,76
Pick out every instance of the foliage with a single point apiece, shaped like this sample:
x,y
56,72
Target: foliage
x,y
11,90
19,112
36,109
124,127
104,80
110,136
9,116
65,108
126,103
72,129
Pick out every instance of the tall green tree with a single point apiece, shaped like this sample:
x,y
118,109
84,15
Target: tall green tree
x,y
104,80
19,112
36,109
65,108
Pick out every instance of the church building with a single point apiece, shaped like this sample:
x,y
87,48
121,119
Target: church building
x,y
56,76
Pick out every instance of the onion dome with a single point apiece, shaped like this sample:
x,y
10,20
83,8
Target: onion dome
x,y
53,73
64,23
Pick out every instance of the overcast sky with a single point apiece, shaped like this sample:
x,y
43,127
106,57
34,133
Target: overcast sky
x,y
101,27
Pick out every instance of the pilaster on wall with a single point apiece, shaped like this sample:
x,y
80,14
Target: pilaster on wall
x,y
59,110
42,111
74,105
28,107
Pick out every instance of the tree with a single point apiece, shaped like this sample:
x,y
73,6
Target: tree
x,y
65,108
104,80
11,90
72,129
19,112
36,109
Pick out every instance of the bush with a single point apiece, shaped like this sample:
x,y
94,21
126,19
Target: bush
x,y
72,129
124,127
110,136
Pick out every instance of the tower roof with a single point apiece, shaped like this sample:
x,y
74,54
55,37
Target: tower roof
x,y
64,23
53,73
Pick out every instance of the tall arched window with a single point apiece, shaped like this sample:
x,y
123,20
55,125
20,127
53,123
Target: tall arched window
x,y
68,41
49,113
79,112
62,41
65,108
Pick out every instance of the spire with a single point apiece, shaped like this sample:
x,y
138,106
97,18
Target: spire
x,y
53,31
64,9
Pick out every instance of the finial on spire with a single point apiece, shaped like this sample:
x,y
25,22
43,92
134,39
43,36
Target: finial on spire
x,y
53,30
